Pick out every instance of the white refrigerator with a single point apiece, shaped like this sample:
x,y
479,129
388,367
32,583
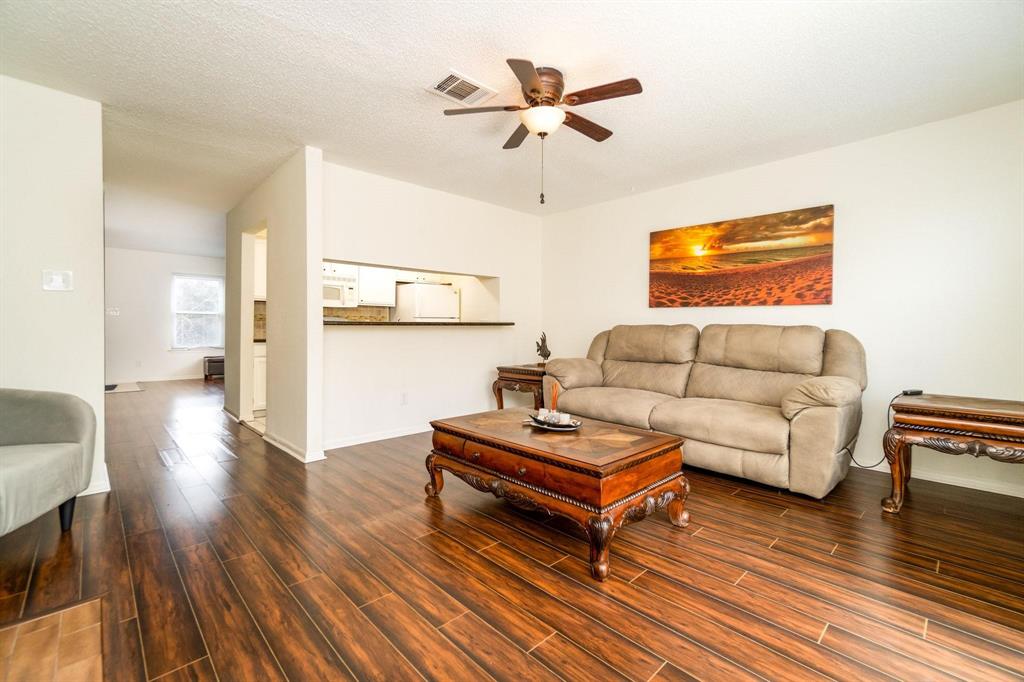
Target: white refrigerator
x,y
421,302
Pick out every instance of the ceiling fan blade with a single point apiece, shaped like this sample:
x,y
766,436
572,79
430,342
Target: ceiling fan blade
x,y
587,127
630,86
480,110
526,72
517,137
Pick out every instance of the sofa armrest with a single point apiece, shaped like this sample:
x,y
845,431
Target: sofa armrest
x,y
827,391
575,372
821,441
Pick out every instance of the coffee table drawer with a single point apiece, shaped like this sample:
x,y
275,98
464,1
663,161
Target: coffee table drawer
x,y
513,466
448,444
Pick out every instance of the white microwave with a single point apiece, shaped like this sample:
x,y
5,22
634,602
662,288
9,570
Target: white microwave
x,y
340,285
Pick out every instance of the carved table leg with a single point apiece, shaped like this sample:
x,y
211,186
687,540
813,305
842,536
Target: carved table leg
x,y
496,389
897,451
538,398
433,489
600,530
677,513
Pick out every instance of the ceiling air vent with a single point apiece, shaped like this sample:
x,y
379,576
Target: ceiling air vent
x,y
457,88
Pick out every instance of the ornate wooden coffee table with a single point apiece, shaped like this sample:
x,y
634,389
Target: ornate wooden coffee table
x,y
601,476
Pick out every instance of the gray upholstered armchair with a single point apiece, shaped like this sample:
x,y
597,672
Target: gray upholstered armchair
x,y
46,450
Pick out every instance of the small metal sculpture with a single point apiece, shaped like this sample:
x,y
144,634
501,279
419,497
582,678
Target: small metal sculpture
x,y
542,347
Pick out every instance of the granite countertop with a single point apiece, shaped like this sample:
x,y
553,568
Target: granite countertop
x,y
360,323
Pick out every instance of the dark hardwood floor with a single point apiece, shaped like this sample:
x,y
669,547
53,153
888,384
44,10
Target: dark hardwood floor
x,y
218,557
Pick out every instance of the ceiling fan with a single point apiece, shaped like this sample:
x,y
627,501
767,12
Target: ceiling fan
x,y
542,90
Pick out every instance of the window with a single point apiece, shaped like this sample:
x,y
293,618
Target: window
x,y
197,302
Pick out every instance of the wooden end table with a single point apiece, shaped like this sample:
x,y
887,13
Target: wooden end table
x,y
953,425
520,378
601,476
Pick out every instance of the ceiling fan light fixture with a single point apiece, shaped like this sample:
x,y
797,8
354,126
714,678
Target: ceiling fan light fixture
x,y
542,120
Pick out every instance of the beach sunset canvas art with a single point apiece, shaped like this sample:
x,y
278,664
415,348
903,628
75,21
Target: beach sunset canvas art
x,y
775,259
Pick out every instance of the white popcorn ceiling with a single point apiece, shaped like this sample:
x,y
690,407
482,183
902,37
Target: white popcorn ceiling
x,y
203,99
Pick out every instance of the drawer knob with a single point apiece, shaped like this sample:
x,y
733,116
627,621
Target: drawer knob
x,y
475,456
521,471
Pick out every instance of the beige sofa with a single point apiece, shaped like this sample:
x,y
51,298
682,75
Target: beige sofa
x,y
777,405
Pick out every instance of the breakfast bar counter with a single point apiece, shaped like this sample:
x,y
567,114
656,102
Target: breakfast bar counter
x,y
368,323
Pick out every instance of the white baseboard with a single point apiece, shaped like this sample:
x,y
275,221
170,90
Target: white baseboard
x,y
144,381
294,450
1001,487
370,437
987,485
95,487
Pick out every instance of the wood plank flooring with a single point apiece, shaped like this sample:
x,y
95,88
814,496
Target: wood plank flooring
x,y
217,557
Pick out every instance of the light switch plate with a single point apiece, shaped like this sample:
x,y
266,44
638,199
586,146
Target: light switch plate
x,y
58,280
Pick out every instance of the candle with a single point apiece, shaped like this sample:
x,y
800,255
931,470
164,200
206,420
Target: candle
x,y
554,397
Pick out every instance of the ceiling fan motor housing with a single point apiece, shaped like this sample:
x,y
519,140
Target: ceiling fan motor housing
x,y
552,84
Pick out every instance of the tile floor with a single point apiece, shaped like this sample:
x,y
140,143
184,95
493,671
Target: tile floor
x,y
62,647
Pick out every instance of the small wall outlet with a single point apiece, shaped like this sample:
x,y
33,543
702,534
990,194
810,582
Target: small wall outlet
x,y
403,398
58,280
113,312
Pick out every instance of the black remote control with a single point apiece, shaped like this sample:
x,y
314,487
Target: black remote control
x,y
912,391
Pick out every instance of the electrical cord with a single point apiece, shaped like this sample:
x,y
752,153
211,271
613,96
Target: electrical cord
x,y
888,425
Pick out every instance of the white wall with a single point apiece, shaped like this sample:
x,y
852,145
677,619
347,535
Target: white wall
x,y
929,249
51,217
385,381
288,205
138,339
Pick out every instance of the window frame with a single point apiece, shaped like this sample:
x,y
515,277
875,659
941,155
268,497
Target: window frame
x,y
175,276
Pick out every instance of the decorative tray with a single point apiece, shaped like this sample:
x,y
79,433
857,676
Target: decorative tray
x,y
573,424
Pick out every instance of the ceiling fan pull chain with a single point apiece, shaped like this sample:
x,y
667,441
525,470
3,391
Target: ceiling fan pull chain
x,y
542,136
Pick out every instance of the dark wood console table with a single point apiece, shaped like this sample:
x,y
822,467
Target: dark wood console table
x,y
520,378
953,425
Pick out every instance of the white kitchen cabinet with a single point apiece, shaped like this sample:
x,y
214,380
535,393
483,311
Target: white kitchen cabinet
x,y
259,376
377,286
260,269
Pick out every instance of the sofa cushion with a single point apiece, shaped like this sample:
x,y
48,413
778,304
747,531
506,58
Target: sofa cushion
x,y
35,478
746,385
660,377
729,423
620,405
652,343
754,466
795,349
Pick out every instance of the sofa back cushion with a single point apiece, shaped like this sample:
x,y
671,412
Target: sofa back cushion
x,y
650,357
844,357
675,343
735,383
660,377
796,350
754,363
